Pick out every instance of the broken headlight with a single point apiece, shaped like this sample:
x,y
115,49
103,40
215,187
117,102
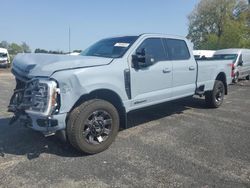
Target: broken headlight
x,y
41,97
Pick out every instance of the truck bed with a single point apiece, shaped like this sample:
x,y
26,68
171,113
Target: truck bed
x,y
209,69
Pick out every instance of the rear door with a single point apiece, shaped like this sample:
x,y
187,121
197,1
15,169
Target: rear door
x,y
184,68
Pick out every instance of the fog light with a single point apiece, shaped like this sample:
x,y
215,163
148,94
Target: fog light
x,y
47,122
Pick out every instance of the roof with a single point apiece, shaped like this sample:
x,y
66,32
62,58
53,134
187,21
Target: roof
x,y
231,51
3,50
152,35
162,35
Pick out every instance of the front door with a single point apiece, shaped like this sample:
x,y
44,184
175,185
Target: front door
x,y
152,84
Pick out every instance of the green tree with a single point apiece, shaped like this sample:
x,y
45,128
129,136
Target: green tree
x,y
77,51
25,47
4,44
15,49
38,50
212,24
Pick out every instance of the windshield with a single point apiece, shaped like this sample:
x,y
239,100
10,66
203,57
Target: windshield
x,y
110,48
3,55
225,57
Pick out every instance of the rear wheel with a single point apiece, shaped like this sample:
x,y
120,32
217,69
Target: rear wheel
x,y
248,77
93,126
236,78
215,97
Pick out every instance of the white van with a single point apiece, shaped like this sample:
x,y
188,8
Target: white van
x,y
203,54
4,58
241,62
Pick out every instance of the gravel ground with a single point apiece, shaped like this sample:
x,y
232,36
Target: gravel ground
x,y
177,144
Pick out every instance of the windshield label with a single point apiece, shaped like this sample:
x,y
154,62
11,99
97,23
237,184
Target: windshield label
x,y
124,45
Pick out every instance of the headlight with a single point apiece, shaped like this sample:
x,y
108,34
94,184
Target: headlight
x,y
40,97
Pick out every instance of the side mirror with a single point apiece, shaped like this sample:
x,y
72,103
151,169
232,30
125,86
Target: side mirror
x,y
135,62
141,59
240,63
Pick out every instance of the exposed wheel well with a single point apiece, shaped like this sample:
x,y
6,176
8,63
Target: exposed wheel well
x,y
109,96
222,77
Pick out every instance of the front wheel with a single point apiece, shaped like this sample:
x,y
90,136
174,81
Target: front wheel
x,y
93,126
215,97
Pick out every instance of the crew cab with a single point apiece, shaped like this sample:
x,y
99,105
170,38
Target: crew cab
x,y
87,97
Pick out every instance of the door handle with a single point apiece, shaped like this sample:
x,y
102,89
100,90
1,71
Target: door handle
x,y
191,68
166,70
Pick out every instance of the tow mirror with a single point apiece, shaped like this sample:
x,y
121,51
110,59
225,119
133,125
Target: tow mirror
x,y
141,59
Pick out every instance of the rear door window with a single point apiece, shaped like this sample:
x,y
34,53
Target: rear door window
x,y
177,49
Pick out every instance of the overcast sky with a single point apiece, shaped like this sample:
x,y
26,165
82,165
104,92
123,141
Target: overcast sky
x,y
45,24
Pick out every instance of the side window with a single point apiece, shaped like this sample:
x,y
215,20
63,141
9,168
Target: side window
x,y
177,49
154,49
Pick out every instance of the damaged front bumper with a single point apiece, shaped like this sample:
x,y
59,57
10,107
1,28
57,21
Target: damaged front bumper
x,y
47,125
35,104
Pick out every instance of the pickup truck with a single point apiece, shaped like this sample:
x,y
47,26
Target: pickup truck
x,y
87,97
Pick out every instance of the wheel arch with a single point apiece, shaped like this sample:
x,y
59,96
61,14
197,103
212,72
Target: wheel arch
x,y
107,95
222,77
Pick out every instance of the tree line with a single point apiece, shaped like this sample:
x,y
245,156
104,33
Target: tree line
x,y
14,48
217,24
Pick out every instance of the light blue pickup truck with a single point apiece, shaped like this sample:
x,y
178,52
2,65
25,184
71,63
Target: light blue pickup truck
x,y
87,97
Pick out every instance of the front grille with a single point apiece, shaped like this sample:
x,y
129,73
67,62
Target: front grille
x,y
20,84
17,97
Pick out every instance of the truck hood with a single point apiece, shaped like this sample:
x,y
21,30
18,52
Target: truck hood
x,y
33,65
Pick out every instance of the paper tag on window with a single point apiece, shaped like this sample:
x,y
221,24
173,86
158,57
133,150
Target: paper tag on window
x,y
124,45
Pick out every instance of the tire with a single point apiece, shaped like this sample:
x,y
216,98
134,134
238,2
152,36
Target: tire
x,y
215,98
7,66
248,77
93,126
236,78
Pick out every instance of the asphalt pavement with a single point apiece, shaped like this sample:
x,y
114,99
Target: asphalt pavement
x,y
177,144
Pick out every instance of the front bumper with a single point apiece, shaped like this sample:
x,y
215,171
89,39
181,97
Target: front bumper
x,y
5,64
25,101
46,125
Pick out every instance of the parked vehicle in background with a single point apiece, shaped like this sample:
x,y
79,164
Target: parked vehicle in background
x,y
88,96
241,62
203,54
4,58
74,53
